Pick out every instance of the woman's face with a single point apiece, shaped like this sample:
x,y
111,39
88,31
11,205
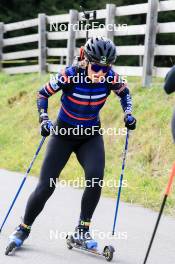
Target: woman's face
x,y
97,76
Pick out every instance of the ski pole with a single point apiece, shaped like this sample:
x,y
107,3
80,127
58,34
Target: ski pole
x,y
167,192
121,181
23,181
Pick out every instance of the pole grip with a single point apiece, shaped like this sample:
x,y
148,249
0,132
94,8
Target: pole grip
x,y
171,178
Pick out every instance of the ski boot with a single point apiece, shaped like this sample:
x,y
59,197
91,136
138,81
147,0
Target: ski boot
x,y
82,240
82,237
17,238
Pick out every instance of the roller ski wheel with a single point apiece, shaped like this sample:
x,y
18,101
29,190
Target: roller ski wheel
x,y
10,248
108,251
69,241
17,238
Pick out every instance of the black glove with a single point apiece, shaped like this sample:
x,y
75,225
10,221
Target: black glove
x,y
130,122
46,124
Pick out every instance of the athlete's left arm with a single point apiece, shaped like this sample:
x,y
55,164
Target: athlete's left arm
x,y
169,85
120,87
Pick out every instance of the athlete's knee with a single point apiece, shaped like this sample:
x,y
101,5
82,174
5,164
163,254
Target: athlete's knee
x,y
95,175
94,183
44,190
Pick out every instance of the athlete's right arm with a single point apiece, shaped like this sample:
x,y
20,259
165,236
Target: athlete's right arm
x,y
58,82
55,84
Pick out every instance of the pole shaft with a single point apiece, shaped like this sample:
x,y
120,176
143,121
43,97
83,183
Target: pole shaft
x,y
121,181
155,229
168,189
170,182
23,181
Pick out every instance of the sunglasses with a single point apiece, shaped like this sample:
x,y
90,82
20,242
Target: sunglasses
x,y
97,68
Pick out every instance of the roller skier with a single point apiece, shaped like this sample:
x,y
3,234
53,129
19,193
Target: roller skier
x,y
81,103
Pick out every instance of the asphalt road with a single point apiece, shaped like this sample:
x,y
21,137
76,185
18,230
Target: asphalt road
x,y
46,244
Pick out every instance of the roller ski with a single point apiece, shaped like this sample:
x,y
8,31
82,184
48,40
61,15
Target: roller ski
x,y
82,240
17,238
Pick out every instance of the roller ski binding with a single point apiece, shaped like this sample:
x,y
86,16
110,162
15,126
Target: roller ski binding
x,y
17,238
82,240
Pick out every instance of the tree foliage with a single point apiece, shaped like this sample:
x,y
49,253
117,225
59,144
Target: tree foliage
x,y
17,10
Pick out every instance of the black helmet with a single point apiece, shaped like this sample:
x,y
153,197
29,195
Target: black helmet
x,y
101,50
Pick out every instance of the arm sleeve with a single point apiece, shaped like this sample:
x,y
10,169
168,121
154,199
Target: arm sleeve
x,y
120,88
57,82
169,85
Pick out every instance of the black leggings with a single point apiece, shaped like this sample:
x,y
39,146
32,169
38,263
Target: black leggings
x,y
91,156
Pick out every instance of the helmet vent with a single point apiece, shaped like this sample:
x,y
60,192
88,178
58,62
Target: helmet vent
x,y
108,52
94,50
88,47
101,52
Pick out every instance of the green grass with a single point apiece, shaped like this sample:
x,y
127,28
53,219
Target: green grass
x,y
151,151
